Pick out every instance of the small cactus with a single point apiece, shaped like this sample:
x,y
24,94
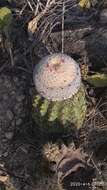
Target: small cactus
x,y
60,97
5,19
51,152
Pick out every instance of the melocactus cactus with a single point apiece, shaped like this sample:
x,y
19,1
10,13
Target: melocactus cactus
x,y
60,97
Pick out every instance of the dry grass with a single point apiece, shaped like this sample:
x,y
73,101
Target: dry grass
x,y
96,115
48,14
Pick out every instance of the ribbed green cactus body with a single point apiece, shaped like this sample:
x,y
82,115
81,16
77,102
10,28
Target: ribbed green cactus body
x,y
59,115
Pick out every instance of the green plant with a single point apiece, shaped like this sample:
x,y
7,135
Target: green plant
x,y
60,98
5,19
97,79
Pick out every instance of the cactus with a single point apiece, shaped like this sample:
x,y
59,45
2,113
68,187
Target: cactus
x,y
52,152
60,97
5,19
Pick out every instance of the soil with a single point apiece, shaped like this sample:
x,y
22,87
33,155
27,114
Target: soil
x,y
21,142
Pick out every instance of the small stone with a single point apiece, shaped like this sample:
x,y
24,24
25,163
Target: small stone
x,y
91,92
4,140
19,121
9,114
5,154
20,98
9,135
15,79
13,123
12,92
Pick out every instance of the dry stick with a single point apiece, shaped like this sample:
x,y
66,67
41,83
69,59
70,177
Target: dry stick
x,y
34,3
95,109
57,5
32,26
63,10
54,14
49,19
48,33
52,20
30,5
37,8
11,56
23,8
96,167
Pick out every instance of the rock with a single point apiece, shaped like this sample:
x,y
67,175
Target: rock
x,y
9,114
19,121
4,140
15,79
9,135
5,154
13,123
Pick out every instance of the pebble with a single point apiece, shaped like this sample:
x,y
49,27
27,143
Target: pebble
x,y
9,135
9,114
13,123
16,80
12,92
5,154
19,121
91,92
4,140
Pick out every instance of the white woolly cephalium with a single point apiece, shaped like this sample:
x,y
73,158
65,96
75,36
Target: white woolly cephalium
x,y
57,77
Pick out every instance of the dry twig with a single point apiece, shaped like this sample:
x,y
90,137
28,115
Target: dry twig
x,y
48,15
